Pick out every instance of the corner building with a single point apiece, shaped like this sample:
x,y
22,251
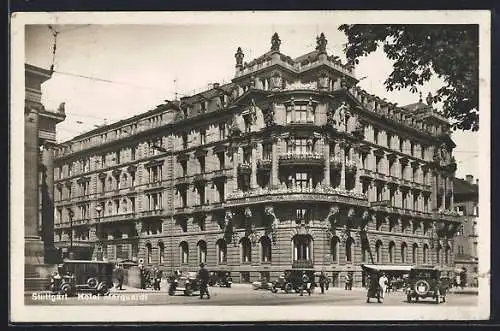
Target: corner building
x,y
289,165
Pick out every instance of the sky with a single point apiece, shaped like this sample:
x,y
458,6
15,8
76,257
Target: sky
x,y
105,73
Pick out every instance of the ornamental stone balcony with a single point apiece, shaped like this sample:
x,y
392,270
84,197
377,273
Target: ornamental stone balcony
x,y
244,169
350,166
302,159
264,165
447,215
294,194
151,213
335,163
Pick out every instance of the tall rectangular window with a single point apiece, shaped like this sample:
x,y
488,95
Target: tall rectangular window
x,y
222,131
184,140
266,151
301,113
132,153
301,179
375,135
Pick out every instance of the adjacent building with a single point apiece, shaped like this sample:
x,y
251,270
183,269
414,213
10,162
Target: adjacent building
x,y
467,205
290,165
39,143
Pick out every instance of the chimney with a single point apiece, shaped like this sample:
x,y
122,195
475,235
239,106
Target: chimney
x,y
469,179
477,181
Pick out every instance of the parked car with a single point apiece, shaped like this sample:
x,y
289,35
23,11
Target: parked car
x,y
220,278
262,284
75,276
426,282
291,280
187,283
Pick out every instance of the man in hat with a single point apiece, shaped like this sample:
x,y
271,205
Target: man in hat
x,y
322,281
119,276
203,277
306,284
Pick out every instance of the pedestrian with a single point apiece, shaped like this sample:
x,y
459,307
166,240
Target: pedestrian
x,y
203,277
142,275
322,282
306,285
382,282
119,277
351,279
346,280
157,275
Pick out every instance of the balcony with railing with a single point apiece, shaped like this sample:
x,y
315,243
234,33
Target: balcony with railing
x,y
151,213
264,164
350,166
115,218
303,159
244,168
335,163
294,194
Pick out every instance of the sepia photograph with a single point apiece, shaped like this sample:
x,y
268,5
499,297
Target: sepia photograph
x,y
250,166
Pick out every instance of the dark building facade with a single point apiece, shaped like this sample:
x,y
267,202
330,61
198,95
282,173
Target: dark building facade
x,y
39,143
289,165
467,205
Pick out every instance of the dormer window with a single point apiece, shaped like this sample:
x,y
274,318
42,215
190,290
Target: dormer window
x,y
203,106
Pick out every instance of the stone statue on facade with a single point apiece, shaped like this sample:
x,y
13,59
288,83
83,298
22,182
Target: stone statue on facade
x,y
321,43
276,81
239,57
275,42
429,99
62,108
269,117
323,81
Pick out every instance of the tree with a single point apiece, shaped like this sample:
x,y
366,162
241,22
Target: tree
x,y
419,52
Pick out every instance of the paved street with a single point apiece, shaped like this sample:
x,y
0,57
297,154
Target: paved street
x,y
244,295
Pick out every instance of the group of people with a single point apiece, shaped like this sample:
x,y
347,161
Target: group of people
x,y
150,278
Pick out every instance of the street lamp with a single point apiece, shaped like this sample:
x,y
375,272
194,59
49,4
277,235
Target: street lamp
x,y
98,209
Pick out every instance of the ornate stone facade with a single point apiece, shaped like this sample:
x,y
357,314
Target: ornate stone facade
x,y
289,165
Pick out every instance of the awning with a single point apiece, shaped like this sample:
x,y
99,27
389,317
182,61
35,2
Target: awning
x,y
382,267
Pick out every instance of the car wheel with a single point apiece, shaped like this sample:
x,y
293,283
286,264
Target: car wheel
x,y
288,288
92,282
188,292
66,289
228,285
408,299
416,299
104,289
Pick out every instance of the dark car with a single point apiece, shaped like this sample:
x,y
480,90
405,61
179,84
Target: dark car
x,y
426,282
291,280
220,278
187,283
75,276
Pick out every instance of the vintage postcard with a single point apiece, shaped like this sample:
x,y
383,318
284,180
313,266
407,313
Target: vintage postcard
x,y
250,166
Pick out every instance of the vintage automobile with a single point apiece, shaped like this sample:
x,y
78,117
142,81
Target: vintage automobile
x,y
220,278
187,283
75,276
291,280
426,282
263,284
